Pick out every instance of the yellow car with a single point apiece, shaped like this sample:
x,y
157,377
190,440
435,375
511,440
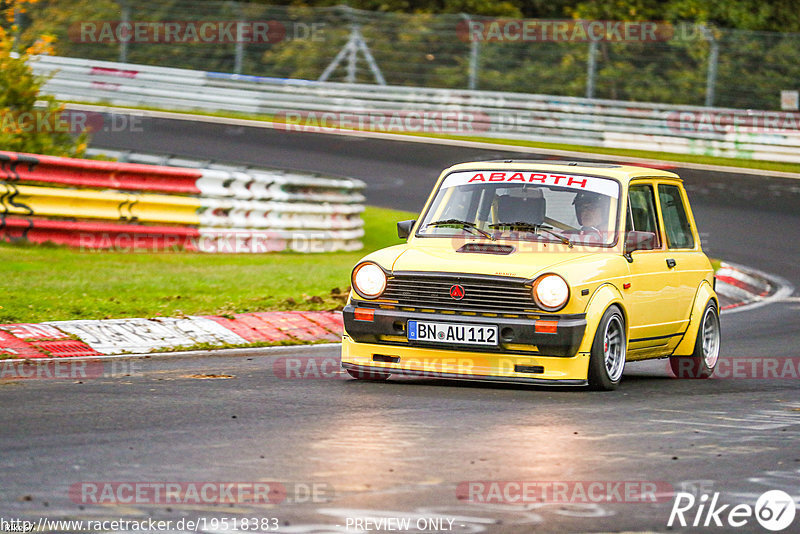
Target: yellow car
x,y
541,273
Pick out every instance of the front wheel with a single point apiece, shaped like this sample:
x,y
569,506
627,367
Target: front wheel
x,y
609,349
703,361
368,375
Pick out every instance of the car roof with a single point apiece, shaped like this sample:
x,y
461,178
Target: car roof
x,y
623,173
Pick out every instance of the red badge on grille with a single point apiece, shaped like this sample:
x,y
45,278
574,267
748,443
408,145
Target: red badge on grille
x,y
457,292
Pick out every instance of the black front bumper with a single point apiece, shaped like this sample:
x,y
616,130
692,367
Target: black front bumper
x,y
517,334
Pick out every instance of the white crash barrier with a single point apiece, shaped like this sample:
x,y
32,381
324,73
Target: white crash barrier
x,y
749,134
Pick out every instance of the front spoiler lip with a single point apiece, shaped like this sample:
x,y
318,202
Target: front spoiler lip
x,y
564,343
474,378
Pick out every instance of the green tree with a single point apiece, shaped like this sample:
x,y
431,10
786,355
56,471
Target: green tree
x,y
30,121
62,20
755,15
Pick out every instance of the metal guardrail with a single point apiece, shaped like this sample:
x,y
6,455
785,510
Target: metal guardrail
x,y
301,105
112,205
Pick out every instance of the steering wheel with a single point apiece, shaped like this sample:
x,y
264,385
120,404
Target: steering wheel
x,y
591,235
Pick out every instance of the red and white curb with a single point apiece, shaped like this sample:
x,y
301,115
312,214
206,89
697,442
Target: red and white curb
x,y
135,336
743,288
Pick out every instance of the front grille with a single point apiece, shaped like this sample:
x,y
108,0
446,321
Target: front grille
x,y
481,294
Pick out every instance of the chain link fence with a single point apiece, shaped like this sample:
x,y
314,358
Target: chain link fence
x,y
646,62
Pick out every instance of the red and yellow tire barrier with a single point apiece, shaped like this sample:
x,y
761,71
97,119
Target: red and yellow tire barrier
x,y
100,205
73,172
94,235
91,204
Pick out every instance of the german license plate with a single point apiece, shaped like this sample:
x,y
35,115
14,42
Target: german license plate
x,y
453,333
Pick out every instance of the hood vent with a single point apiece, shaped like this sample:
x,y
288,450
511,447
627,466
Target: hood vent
x,y
486,248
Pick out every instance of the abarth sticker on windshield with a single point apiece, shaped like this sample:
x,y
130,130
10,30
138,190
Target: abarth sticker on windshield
x,y
579,183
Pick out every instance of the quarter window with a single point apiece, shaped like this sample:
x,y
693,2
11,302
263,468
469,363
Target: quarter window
x,y
676,222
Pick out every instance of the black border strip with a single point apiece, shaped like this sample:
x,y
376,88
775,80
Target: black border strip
x,y
454,376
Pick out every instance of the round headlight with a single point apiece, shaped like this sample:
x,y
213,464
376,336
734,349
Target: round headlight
x,y
369,280
550,292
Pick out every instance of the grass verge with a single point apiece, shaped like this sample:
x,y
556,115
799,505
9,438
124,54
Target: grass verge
x,y
50,283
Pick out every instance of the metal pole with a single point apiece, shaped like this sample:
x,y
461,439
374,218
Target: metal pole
x,y
352,57
473,56
373,66
713,60
473,65
335,63
591,69
237,65
239,46
123,44
350,50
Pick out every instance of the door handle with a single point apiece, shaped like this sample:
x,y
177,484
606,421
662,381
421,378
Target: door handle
x,y
671,263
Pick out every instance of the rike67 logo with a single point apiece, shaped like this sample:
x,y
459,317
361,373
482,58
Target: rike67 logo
x,y
774,510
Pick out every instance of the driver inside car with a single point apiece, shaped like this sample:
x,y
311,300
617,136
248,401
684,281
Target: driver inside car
x,y
591,211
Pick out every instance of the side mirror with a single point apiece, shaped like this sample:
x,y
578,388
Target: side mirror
x,y
404,228
638,241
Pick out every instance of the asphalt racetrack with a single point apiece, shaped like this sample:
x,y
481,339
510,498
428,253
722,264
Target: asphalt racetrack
x,y
445,456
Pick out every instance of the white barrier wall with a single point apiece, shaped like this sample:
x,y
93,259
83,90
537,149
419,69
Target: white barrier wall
x,y
723,132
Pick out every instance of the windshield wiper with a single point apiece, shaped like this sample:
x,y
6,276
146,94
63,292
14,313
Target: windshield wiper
x,y
536,228
463,224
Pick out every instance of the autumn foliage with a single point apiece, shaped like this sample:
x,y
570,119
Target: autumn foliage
x,y
30,121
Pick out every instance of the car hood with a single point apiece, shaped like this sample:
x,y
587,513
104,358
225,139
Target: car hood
x,y
517,264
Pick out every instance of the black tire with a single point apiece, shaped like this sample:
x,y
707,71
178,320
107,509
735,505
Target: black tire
x,y
368,375
609,349
703,361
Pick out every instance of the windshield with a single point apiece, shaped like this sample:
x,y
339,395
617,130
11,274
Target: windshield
x,y
524,205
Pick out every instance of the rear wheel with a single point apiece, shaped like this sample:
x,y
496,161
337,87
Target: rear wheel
x,y
368,375
609,349
703,361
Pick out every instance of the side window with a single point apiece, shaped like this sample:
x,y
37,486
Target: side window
x,y
642,211
676,222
